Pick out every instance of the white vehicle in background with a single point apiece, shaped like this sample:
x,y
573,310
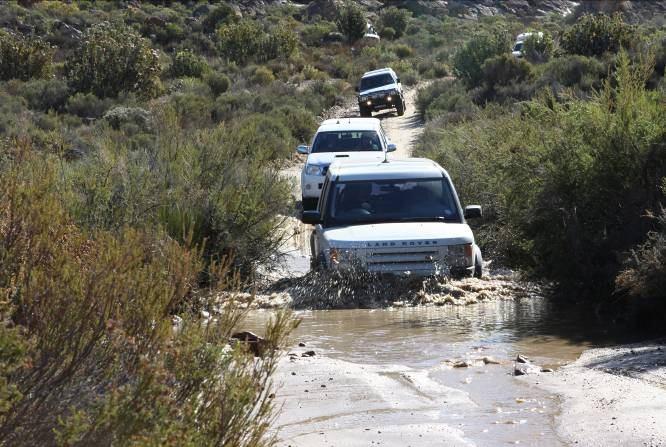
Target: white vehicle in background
x,y
353,139
371,37
400,217
518,50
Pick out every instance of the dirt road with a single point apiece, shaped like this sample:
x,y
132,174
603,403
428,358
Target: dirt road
x,y
403,130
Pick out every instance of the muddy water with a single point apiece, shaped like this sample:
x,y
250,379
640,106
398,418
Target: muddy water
x,y
387,376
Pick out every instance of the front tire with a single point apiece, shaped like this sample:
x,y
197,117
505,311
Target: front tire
x,y
317,262
478,264
364,112
400,108
310,203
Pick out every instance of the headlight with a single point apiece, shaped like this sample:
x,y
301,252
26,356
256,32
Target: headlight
x,y
334,254
313,170
457,254
388,98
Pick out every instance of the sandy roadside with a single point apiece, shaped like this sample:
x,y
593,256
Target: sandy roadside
x,y
612,396
333,402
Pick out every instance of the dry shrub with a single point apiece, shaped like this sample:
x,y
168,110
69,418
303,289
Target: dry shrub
x,y
90,354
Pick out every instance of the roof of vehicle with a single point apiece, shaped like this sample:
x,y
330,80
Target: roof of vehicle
x,y
396,169
335,124
523,36
378,71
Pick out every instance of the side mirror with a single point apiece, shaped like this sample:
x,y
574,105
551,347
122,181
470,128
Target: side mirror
x,y
356,89
311,217
473,212
391,147
397,80
303,149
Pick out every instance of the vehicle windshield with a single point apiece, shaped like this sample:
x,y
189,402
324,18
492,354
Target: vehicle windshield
x,y
375,81
347,141
403,200
518,47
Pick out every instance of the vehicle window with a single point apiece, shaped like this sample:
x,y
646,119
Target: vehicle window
x,y
401,200
347,141
518,47
376,81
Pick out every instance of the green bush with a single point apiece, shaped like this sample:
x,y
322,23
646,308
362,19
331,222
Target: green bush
x,y
468,60
90,353
564,184
579,72
222,14
538,49
218,82
45,94
119,116
113,59
403,51
87,105
193,110
644,272
388,33
351,22
505,70
23,58
187,64
263,76
313,35
395,19
594,35
280,42
312,73
239,41
445,98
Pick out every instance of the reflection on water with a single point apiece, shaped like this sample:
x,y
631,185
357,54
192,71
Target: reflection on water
x,y
420,336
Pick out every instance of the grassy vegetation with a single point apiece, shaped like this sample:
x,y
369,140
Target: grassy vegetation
x,y
141,146
567,155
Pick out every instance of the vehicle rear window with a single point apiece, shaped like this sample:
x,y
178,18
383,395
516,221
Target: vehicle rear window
x,y
376,81
347,141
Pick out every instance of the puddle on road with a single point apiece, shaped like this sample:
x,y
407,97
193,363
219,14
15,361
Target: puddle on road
x,y
398,343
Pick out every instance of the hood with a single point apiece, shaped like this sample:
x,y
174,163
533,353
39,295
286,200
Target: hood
x,y
326,158
399,234
378,89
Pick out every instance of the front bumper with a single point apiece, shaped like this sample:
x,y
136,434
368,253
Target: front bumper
x,y
380,102
420,262
311,186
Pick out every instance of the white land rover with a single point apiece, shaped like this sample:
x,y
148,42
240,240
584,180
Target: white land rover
x,y
398,217
354,139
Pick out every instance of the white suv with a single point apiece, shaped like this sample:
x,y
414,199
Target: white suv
x,y
399,217
354,139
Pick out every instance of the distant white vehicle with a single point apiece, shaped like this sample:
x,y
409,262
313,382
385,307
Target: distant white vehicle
x,y
399,217
354,139
371,37
518,50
